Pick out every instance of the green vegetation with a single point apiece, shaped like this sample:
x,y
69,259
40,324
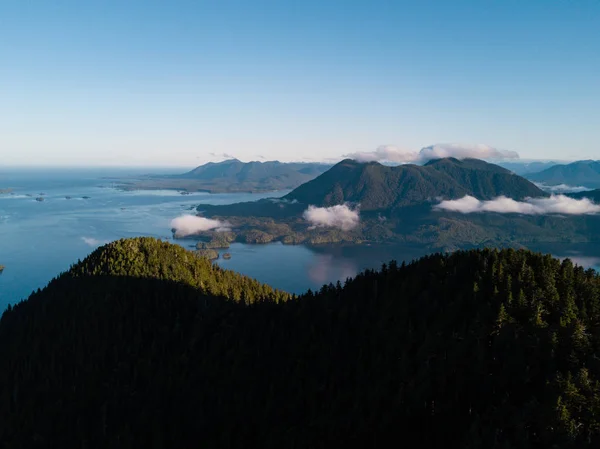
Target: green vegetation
x,y
233,176
478,349
396,206
2,267
580,173
150,258
210,254
379,188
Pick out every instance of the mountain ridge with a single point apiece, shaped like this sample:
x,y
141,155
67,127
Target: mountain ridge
x,y
379,187
233,175
476,349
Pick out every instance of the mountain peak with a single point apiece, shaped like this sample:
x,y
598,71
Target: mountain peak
x,y
381,188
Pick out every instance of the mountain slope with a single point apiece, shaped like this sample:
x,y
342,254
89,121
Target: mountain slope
x,y
378,187
475,350
145,257
235,176
580,173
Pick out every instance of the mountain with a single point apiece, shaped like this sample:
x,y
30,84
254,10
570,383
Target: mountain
x,y
522,168
580,173
234,176
378,187
478,349
593,195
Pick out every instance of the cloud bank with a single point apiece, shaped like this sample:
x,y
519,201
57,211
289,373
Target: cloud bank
x,y
390,153
562,188
192,224
556,204
340,216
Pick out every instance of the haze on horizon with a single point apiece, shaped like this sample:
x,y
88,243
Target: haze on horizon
x,y
181,83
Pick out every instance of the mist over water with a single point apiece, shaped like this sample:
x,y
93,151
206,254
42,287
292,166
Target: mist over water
x,y
40,239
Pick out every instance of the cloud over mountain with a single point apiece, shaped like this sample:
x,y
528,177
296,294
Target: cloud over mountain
x,y
192,224
340,216
555,204
390,153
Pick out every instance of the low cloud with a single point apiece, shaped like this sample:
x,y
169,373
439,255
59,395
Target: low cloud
x,y
556,204
192,224
385,153
390,153
340,216
91,241
562,188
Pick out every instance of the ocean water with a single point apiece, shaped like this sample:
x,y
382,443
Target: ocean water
x,y
39,240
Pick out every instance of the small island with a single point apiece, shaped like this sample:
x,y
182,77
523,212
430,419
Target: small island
x,y
68,197
2,267
226,256
5,191
40,199
210,254
86,197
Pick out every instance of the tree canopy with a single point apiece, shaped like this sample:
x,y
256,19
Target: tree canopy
x,y
145,345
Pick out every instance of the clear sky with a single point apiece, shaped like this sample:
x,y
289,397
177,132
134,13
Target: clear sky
x,y
148,82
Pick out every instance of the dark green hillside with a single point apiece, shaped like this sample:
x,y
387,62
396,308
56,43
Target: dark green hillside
x,y
593,195
479,349
381,188
580,173
146,257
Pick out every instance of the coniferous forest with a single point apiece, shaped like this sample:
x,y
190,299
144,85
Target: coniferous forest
x,y
145,345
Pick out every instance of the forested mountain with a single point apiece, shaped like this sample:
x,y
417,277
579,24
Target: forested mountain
x,y
379,187
478,349
580,173
593,195
235,176
396,204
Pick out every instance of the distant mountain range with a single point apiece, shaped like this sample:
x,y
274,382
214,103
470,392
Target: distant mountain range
x,y
580,173
234,176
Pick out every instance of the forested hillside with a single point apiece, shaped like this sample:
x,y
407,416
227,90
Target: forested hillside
x,y
381,188
478,349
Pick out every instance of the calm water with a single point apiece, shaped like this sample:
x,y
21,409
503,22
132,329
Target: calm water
x,y
38,240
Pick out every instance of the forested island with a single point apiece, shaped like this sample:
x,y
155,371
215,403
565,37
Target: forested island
x,y
402,205
144,344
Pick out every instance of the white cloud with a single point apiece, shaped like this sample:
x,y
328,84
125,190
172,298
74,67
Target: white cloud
x,y
390,153
192,224
91,241
385,153
340,216
562,188
556,204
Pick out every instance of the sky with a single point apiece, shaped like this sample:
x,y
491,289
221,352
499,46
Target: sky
x,y
178,83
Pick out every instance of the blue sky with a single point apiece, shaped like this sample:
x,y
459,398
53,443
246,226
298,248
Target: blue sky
x,y
181,82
